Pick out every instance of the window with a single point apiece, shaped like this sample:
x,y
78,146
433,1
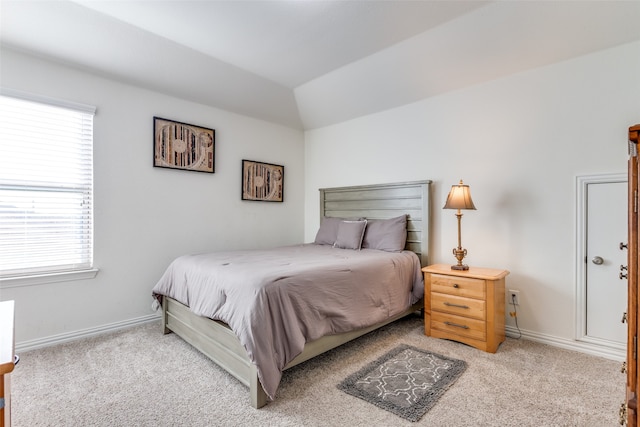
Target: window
x,y
46,186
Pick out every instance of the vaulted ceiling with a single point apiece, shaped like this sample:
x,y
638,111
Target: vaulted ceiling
x,y
311,63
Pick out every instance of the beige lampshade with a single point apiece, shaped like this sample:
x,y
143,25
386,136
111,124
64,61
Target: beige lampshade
x,y
459,197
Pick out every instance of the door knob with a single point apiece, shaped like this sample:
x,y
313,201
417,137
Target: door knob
x,y
597,260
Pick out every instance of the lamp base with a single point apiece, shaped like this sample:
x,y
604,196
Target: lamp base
x,y
460,253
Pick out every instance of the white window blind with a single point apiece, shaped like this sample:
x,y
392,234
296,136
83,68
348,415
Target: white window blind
x,y
46,187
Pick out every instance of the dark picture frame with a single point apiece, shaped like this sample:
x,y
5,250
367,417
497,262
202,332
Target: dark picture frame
x,y
178,145
262,181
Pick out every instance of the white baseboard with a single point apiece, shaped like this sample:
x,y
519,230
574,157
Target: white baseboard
x,y
580,346
83,333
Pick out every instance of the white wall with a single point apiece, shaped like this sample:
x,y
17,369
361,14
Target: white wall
x,y
519,142
146,216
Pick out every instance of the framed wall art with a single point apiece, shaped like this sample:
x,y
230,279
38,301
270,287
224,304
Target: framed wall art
x,y
178,145
262,181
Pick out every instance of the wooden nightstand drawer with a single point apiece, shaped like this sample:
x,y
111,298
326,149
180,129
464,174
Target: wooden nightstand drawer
x,y
460,286
458,325
465,305
469,307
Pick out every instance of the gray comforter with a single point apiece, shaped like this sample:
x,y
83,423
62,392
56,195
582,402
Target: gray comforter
x,y
276,300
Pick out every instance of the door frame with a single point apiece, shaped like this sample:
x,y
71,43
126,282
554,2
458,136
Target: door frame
x,y
582,182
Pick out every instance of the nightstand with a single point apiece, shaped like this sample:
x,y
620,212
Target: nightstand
x,y
465,305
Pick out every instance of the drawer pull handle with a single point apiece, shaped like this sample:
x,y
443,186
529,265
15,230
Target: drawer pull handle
x,y
456,325
450,304
455,285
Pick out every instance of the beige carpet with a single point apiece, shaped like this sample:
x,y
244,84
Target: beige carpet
x,y
139,377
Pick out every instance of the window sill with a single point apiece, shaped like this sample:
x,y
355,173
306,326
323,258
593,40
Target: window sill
x,y
41,279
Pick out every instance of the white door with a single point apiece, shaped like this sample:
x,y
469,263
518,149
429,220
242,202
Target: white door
x,y
605,293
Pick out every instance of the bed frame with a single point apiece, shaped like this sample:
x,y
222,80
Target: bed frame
x,y
218,342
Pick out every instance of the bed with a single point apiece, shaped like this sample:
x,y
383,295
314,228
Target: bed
x,y
297,337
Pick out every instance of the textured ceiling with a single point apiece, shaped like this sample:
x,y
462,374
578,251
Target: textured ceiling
x,y
307,64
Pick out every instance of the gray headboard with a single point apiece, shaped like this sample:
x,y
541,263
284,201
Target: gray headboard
x,y
384,201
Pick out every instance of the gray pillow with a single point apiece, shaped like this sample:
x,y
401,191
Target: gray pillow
x,y
386,234
350,234
328,230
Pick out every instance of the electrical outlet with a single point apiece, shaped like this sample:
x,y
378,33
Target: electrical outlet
x,y
514,297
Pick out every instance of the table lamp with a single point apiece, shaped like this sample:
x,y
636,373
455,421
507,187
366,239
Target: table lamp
x,y
459,198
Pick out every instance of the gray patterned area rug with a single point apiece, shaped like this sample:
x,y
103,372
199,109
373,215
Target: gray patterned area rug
x,y
407,381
